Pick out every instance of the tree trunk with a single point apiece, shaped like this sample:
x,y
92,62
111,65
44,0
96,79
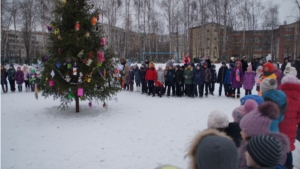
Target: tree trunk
x,y
77,103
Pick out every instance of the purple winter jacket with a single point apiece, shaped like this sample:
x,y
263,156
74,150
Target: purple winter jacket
x,y
19,77
278,78
233,81
249,80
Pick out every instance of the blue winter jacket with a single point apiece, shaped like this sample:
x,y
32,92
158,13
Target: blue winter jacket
x,y
170,77
198,76
227,77
279,98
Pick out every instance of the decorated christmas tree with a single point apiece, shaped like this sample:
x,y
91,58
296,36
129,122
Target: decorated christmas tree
x,y
78,66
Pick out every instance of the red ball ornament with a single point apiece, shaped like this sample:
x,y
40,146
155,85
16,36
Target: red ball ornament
x,y
77,26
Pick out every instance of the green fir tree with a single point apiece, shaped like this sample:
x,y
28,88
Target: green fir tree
x,y
78,58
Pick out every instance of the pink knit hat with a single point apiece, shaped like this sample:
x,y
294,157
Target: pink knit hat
x,y
258,121
290,79
239,112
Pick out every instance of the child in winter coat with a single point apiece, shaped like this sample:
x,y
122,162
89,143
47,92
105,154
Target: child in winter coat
x,y
170,81
158,86
3,79
26,78
269,93
178,80
249,80
219,121
143,81
221,77
278,74
263,152
11,77
137,77
227,84
188,80
151,76
290,85
211,149
207,78
130,79
19,77
125,77
268,72
213,73
236,79
257,77
161,75
256,123
198,81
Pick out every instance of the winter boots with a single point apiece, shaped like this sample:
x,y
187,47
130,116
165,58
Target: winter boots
x,y
233,95
238,95
4,88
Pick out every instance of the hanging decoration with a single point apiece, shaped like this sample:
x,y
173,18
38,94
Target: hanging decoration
x,y
63,1
91,54
49,28
68,78
58,64
102,42
100,58
69,65
51,83
89,78
80,77
58,37
87,34
90,104
56,31
74,71
52,73
80,92
80,54
94,21
89,62
77,26
70,96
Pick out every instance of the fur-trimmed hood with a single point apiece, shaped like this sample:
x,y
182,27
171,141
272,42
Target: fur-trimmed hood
x,y
212,149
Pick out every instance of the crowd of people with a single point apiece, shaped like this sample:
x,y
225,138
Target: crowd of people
x,y
19,77
198,80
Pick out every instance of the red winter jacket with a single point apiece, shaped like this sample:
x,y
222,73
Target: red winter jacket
x,y
292,115
151,74
158,84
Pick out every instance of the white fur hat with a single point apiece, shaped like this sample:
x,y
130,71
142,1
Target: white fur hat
x,y
290,79
217,119
291,70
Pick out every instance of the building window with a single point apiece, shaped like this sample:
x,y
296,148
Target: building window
x,y
207,47
256,40
207,38
288,37
286,47
215,39
256,48
207,30
215,30
288,28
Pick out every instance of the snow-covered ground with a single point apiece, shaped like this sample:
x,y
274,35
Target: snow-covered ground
x,y
136,132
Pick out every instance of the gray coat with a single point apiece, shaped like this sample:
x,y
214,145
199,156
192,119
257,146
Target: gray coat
x,y
161,76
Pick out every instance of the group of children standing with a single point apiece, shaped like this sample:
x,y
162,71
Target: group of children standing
x,y
19,76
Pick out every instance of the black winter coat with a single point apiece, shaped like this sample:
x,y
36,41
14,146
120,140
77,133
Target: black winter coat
x,y
244,65
208,63
222,74
143,74
170,77
11,73
179,76
198,76
213,76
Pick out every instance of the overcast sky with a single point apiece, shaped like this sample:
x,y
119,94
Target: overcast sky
x,y
287,10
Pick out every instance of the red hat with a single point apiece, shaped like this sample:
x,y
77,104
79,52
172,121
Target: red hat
x,y
268,67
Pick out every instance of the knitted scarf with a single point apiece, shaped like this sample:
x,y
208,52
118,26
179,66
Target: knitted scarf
x,y
238,75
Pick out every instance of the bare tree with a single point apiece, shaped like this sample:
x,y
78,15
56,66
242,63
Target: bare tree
x,y
168,8
30,16
6,21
